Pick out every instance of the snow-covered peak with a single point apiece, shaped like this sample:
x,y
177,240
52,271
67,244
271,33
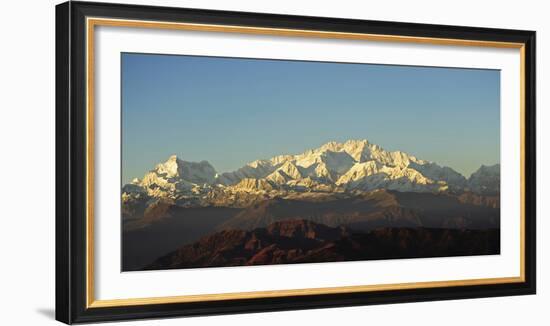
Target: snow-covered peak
x,y
330,146
170,167
354,165
290,170
485,180
360,151
487,170
195,172
360,171
251,184
254,170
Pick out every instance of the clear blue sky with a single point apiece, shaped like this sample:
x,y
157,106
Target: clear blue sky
x,y
230,111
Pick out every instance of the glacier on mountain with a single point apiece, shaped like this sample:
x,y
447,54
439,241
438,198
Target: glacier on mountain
x,y
351,166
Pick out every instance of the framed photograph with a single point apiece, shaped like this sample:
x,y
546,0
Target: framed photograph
x,y
216,162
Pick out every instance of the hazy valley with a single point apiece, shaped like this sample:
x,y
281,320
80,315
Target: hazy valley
x,y
338,202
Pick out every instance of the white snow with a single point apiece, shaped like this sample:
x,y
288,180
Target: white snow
x,y
352,165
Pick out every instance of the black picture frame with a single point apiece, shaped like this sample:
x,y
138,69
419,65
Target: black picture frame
x,y
71,158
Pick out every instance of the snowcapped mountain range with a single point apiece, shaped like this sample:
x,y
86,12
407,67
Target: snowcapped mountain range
x,y
352,166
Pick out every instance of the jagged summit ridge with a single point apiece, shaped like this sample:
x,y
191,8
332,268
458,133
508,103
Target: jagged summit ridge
x,y
486,179
354,165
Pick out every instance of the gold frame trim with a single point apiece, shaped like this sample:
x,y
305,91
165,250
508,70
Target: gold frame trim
x,y
92,22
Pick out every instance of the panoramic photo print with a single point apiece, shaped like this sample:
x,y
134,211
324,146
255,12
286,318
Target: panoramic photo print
x,y
239,162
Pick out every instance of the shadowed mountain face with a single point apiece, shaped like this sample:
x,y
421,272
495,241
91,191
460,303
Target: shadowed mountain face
x,y
165,226
374,209
302,241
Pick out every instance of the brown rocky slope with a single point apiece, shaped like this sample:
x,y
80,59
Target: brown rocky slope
x,y
303,241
